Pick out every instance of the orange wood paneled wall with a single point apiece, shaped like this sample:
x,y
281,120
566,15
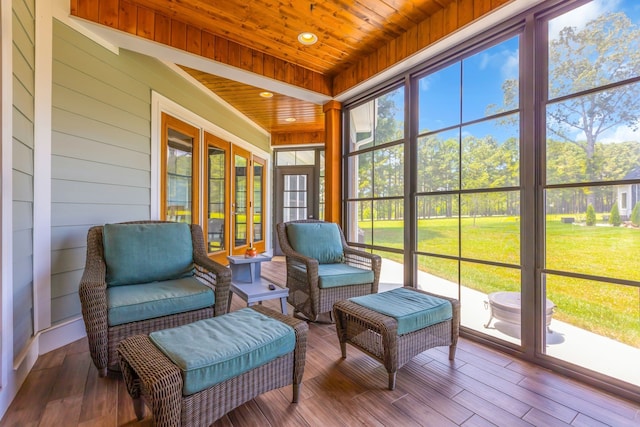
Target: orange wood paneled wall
x,y
297,138
456,15
146,23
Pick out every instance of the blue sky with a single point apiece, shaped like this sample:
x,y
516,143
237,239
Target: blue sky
x,y
483,74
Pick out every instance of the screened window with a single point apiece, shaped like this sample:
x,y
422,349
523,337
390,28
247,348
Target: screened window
x,y
376,159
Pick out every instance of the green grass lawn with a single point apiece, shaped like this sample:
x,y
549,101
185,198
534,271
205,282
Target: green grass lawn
x,y
606,309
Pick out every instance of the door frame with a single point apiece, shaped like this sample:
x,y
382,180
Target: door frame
x,y
313,195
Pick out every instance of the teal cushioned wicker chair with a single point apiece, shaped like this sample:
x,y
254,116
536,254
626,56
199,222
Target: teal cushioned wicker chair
x,y
322,268
145,276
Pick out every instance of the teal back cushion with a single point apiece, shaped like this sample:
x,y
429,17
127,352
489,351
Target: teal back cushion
x,y
319,240
142,253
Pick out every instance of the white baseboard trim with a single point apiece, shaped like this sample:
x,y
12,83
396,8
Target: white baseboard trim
x,y
60,335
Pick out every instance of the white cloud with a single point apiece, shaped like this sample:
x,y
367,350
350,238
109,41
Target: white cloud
x,y
425,83
580,16
507,61
621,133
485,60
511,65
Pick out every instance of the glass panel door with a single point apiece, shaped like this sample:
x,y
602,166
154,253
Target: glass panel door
x,y
217,198
258,203
296,195
241,220
180,143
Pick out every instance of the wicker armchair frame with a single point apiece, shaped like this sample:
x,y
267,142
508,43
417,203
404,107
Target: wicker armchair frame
x,y
103,339
305,295
377,334
153,379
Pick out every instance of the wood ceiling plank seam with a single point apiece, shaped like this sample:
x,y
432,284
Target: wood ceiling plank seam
x,y
227,27
73,7
194,40
127,17
371,16
480,7
337,53
145,23
465,12
108,13
427,7
402,18
208,45
451,18
221,53
178,35
235,32
89,8
378,26
263,111
162,29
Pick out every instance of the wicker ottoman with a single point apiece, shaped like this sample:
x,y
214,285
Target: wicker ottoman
x,y
152,378
377,334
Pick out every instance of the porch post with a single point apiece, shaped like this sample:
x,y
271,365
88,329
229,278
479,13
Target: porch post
x,y
333,162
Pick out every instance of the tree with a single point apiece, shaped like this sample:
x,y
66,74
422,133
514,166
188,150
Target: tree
x,y
605,50
614,216
635,215
591,215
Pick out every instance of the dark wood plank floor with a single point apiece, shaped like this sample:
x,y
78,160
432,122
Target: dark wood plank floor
x,y
482,387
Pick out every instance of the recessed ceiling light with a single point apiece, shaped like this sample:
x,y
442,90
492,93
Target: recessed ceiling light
x,y
307,38
290,119
266,94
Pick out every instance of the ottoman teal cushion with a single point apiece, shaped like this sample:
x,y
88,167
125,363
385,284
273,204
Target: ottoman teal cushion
x,y
411,309
150,300
213,350
141,253
318,240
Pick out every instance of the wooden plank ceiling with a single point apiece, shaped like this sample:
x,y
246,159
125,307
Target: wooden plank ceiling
x,y
356,39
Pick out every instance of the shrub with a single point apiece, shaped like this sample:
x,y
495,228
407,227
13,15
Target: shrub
x,y
591,215
635,215
614,216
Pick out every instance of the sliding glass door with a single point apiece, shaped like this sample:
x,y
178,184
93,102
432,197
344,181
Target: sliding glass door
x,y
218,205
215,184
179,157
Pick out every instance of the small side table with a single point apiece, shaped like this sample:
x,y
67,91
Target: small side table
x,y
248,285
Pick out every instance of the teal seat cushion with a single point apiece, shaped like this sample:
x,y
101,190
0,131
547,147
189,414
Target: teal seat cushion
x,y
333,275
133,303
318,240
213,350
142,253
411,309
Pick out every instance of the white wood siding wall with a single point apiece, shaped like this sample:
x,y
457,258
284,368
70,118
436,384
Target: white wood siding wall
x,y
101,122
23,142
101,146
